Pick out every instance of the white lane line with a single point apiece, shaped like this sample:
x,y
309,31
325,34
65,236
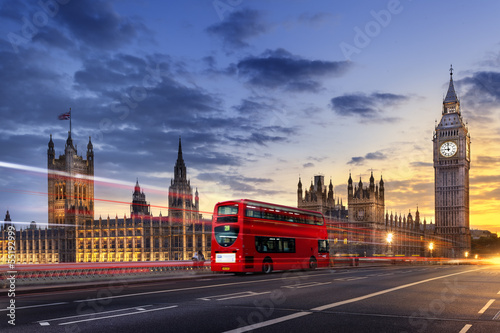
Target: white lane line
x,y
36,306
241,296
332,305
269,322
465,328
44,323
233,295
92,314
351,278
483,310
118,315
356,299
497,316
498,293
306,285
192,288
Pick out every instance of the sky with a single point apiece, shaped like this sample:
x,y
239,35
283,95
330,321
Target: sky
x,y
260,92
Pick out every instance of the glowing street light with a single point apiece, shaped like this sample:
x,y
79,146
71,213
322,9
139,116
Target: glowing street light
x,y
389,238
431,247
466,254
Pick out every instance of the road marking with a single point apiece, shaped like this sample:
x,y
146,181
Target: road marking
x,y
36,306
307,284
234,295
269,322
465,328
118,315
498,293
83,315
194,288
352,278
483,310
497,316
44,323
347,301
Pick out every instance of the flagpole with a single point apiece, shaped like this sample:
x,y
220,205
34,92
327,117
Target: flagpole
x,y
70,122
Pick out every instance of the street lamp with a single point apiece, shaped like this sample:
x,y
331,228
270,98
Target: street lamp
x,y
466,254
431,247
389,239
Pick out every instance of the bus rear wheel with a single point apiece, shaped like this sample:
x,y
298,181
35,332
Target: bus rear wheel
x,y
267,266
313,263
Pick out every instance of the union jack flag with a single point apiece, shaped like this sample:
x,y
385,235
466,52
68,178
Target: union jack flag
x,y
65,116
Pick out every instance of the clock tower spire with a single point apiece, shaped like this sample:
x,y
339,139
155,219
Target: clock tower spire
x,y
451,143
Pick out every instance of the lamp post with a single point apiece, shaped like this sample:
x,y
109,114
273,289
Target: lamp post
x,y
389,238
431,247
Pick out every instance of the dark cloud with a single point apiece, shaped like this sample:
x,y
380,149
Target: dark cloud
x,y
308,165
482,93
281,69
239,185
238,27
365,106
421,164
359,160
316,18
96,24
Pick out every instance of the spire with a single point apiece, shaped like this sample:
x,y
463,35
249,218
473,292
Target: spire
x,y
90,146
179,154
180,167
451,96
51,154
451,103
137,187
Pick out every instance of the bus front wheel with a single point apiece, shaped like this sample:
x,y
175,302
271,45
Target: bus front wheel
x,y
313,263
267,266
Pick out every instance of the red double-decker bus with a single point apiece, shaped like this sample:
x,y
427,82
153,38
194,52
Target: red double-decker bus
x,y
253,236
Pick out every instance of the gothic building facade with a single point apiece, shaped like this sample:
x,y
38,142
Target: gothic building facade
x,y
365,228
74,236
319,200
451,147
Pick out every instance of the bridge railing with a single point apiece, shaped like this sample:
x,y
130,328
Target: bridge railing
x,y
32,274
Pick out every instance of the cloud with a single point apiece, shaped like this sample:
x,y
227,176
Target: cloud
x,y
365,106
359,160
239,185
281,69
239,27
482,93
421,164
96,24
316,19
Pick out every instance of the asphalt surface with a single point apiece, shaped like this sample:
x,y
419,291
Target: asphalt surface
x,y
378,299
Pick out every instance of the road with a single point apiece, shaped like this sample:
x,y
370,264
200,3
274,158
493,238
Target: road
x,y
376,299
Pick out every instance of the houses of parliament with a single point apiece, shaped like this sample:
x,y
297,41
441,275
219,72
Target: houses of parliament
x,y
367,229
74,235
363,228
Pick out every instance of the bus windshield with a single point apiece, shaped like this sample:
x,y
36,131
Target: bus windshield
x,y
226,235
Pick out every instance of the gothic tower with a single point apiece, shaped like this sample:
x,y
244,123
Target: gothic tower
x,y
451,143
183,213
70,182
139,205
70,185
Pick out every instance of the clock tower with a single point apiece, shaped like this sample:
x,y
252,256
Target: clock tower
x,y
451,143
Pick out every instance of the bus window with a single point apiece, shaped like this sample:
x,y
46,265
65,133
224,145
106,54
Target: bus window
x,y
227,219
226,235
274,244
228,210
323,246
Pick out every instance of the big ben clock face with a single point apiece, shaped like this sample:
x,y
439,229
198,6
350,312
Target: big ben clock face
x,y
448,149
